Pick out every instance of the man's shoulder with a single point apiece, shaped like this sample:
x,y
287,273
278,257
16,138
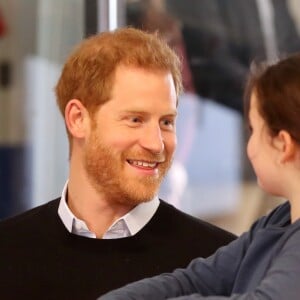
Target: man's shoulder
x,y
179,219
31,217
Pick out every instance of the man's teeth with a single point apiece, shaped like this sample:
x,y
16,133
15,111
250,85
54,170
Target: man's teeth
x,y
143,164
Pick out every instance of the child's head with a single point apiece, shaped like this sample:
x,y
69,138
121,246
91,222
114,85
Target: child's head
x,y
272,107
277,89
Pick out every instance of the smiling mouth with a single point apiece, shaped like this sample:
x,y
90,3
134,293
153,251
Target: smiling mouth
x,y
143,164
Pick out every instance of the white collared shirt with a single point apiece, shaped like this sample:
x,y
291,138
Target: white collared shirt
x,y
128,225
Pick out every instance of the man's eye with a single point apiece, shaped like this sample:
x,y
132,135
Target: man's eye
x,y
168,123
135,119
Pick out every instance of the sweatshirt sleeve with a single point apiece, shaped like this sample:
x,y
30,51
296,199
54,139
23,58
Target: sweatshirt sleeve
x,y
280,282
204,278
212,276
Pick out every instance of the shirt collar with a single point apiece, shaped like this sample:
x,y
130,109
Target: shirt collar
x,y
139,216
64,212
134,220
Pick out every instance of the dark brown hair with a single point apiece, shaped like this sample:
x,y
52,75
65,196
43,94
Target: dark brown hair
x,y
277,89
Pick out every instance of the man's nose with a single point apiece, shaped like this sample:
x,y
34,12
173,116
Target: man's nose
x,y
151,139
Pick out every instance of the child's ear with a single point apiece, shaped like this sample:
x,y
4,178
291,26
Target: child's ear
x,y
76,118
286,146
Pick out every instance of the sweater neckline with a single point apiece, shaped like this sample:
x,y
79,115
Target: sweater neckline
x,y
56,227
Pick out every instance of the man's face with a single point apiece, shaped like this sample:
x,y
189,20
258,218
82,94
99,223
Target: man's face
x,y
132,138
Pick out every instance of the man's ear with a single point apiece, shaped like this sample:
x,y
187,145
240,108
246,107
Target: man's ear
x,y
76,118
286,146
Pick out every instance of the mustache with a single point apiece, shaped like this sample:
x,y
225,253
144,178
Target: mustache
x,y
147,156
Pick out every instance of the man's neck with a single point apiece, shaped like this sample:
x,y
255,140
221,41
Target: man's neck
x,y
94,209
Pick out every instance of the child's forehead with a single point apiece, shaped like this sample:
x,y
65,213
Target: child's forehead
x,y
253,101
254,111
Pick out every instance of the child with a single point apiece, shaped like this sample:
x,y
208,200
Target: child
x,y
263,263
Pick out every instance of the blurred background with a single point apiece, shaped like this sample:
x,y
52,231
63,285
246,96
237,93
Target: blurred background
x,y
216,40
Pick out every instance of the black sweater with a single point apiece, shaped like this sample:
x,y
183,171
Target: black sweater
x,y
40,259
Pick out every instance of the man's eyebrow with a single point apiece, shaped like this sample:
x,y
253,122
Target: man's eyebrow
x,y
133,111
142,112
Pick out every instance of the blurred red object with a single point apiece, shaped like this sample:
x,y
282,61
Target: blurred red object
x,y
2,25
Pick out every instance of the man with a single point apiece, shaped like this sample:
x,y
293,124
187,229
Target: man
x,y
118,93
